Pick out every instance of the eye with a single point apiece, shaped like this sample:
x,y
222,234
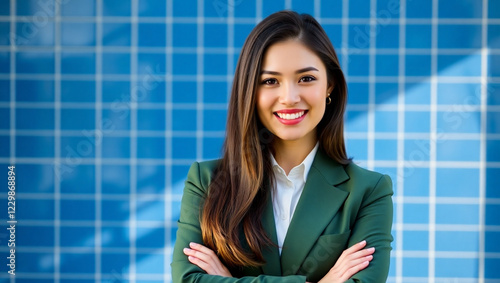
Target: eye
x,y
307,79
270,82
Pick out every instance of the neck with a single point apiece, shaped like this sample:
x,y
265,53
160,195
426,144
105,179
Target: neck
x,y
289,154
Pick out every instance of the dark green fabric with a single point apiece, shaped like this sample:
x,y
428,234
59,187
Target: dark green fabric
x,y
339,207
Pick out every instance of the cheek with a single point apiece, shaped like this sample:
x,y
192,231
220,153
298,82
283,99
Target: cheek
x,y
261,107
264,102
317,97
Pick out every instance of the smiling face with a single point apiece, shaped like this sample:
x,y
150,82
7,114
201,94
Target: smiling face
x,y
292,92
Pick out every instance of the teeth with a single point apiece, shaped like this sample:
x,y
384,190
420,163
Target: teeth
x,y
289,116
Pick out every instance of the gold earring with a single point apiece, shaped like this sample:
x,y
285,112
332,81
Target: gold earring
x,y
328,100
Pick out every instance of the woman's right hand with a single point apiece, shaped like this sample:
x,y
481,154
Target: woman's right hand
x,y
206,259
349,263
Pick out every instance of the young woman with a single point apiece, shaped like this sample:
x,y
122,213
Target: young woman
x,y
285,203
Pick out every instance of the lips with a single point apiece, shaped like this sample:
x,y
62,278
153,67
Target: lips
x,y
290,116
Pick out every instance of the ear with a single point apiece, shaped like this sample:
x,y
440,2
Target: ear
x,y
330,88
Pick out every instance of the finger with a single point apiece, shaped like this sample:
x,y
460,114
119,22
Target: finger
x,y
199,254
354,248
350,264
207,254
354,269
201,248
353,260
211,262
357,256
209,259
201,264
361,253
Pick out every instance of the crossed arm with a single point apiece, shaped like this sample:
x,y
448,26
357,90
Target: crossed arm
x,y
192,262
351,261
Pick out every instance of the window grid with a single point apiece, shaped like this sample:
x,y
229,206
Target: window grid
x,y
157,162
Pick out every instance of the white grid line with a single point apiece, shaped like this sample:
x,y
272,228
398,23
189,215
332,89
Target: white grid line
x,y
230,43
57,143
223,106
97,143
345,39
220,78
153,196
79,276
445,227
133,143
185,162
156,277
219,134
168,139
408,253
84,250
236,50
432,142
400,144
12,77
170,224
258,11
250,20
445,254
317,11
482,146
153,277
199,81
12,103
371,85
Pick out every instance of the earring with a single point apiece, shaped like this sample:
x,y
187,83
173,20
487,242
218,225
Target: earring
x,y
328,100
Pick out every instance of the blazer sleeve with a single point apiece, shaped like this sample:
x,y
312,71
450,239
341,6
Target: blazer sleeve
x,y
189,231
373,224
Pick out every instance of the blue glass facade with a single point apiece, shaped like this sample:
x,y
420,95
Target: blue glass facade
x,y
104,104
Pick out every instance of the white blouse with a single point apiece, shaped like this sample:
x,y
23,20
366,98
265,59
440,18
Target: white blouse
x,y
287,192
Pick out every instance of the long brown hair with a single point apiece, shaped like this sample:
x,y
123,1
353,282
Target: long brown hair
x,y
238,192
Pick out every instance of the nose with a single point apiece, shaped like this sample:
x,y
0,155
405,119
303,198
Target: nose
x,y
290,94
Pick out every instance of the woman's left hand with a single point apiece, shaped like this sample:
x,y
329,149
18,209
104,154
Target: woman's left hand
x,y
206,259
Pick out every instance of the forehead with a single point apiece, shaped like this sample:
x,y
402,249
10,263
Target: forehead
x,y
290,55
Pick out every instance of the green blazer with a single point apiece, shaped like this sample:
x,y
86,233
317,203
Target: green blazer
x,y
339,207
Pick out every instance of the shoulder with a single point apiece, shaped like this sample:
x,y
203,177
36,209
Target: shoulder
x,y
359,173
367,181
352,178
201,173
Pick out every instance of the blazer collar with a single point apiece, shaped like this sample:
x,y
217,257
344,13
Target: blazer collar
x,y
318,204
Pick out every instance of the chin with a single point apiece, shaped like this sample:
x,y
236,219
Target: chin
x,y
289,137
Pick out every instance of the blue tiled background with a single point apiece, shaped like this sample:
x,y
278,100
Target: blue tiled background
x,y
104,104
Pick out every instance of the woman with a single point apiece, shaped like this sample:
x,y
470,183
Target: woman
x,y
284,203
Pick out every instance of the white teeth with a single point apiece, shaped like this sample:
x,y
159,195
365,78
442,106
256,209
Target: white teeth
x,y
289,116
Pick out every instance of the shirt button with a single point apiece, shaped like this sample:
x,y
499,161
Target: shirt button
x,y
283,217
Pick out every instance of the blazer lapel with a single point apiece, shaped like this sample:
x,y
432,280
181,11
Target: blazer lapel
x,y
270,253
318,204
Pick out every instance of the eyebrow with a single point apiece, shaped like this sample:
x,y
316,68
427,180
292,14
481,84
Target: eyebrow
x,y
303,70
